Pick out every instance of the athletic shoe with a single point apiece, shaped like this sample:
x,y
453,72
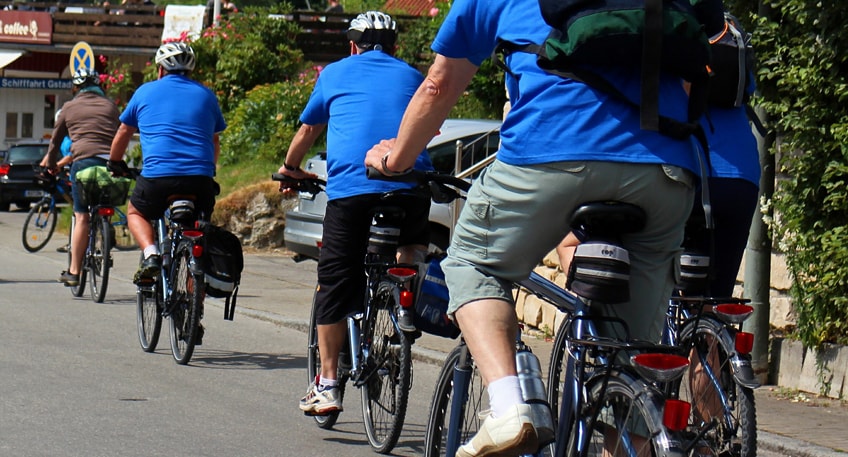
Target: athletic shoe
x,y
68,279
148,269
319,402
511,434
64,248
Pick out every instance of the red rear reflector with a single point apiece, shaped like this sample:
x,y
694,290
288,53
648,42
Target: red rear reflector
x,y
407,299
402,274
744,342
676,414
197,250
192,234
660,367
733,313
107,211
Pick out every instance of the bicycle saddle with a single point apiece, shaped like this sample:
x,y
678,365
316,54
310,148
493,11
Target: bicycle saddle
x,y
608,217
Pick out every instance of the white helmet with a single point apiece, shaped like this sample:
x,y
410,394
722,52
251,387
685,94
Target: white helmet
x,y
175,56
373,30
85,77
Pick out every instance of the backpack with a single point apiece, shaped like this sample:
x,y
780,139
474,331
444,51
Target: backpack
x,y
654,35
732,65
224,262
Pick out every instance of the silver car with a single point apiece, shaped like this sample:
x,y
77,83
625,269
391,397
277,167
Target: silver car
x,y
459,145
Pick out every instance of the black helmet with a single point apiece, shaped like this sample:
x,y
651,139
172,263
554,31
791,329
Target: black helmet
x,y
85,77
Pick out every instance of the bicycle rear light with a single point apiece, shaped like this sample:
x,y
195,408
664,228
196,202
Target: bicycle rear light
x,y
744,342
197,250
660,367
401,274
407,299
733,313
676,414
106,211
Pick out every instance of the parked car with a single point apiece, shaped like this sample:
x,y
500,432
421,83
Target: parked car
x,y
17,172
478,139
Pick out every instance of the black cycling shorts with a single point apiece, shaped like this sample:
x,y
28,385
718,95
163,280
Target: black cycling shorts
x,y
341,274
150,196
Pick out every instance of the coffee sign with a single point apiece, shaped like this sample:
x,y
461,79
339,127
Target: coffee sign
x,y
26,27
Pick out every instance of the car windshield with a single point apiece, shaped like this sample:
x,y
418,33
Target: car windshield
x,y
26,153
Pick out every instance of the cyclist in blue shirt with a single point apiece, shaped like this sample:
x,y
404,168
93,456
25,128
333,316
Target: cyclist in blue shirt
x,y
359,100
563,144
178,120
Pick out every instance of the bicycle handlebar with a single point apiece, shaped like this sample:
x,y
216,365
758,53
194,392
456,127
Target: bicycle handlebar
x,y
443,188
311,185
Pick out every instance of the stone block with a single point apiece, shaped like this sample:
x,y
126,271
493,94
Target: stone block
x,y
781,313
780,277
532,314
790,362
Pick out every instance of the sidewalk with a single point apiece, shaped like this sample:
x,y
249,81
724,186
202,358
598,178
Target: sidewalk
x,y
278,290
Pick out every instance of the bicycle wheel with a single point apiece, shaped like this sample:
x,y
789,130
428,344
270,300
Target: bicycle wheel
x,y
720,405
623,419
186,305
149,315
39,226
78,289
387,378
99,259
313,369
441,406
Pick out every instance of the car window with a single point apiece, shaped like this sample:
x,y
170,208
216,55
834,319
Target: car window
x,y
475,148
27,153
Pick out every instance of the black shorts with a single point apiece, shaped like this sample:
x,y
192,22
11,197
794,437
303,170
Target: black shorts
x,y
150,196
341,274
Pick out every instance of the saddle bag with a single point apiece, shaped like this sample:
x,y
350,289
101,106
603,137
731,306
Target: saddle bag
x,y
600,271
223,265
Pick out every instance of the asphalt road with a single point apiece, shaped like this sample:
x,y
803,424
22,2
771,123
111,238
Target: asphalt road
x,y
75,382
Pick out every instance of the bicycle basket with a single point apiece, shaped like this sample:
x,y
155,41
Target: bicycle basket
x,y
99,187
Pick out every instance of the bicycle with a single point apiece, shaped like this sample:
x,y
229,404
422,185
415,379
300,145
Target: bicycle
x,y
609,401
102,195
720,381
179,291
41,221
377,357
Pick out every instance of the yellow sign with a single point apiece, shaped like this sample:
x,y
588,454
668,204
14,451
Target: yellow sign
x,y
81,57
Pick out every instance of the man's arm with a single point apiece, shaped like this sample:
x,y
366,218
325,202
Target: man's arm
x,y
299,147
216,145
120,142
445,82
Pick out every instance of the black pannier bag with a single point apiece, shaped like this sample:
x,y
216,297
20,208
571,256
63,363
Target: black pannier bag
x,y
223,265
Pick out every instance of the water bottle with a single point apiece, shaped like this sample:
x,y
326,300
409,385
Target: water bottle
x,y
533,391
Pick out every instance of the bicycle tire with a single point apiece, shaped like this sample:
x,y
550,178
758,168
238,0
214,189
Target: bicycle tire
x,y
734,433
435,438
39,225
78,289
186,305
149,315
388,377
623,417
313,357
99,259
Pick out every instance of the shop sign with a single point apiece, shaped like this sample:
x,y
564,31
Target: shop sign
x,y
30,83
29,27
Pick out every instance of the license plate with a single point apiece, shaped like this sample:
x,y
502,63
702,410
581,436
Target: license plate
x,y
33,193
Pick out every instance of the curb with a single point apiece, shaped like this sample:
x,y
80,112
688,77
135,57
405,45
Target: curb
x,y
793,447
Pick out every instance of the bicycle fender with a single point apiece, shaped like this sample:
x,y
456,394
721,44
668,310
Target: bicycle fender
x,y
670,443
743,371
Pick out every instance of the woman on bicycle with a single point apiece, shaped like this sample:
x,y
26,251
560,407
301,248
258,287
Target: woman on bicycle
x,y
90,120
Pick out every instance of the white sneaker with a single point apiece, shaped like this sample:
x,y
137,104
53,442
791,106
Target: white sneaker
x,y
512,434
321,402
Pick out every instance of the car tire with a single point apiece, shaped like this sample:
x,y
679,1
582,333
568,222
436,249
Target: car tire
x,y
4,206
23,205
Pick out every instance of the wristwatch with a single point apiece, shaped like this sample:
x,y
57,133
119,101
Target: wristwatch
x,y
289,167
387,171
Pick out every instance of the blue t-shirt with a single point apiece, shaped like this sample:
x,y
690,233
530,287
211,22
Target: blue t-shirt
x,y
733,147
557,119
176,118
362,99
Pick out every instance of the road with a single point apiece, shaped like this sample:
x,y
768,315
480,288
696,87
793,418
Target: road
x,y
76,383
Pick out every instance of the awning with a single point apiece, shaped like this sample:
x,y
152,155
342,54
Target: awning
x,y
8,56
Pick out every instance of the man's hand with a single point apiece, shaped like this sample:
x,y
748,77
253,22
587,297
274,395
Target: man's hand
x,y
290,190
374,157
118,168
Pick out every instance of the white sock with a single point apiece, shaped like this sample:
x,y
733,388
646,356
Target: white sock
x,y
324,383
504,393
151,250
